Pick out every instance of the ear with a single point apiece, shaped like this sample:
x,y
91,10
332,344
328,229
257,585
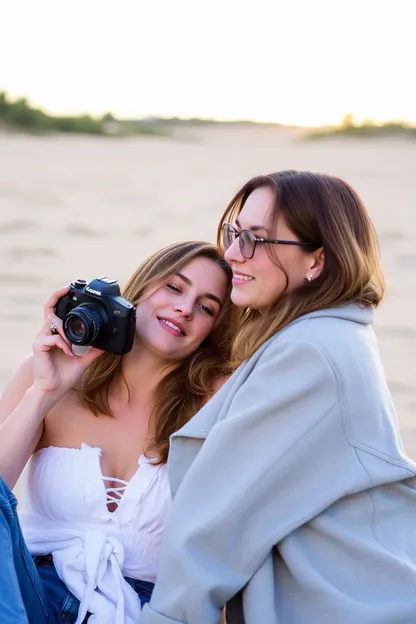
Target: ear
x,y
317,264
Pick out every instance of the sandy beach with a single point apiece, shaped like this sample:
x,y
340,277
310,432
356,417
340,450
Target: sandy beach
x,y
84,207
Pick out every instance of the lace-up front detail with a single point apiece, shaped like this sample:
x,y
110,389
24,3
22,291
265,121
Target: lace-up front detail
x,y
114,494
99,529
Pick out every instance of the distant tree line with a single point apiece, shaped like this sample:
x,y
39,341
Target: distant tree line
x,y
21,115
368,128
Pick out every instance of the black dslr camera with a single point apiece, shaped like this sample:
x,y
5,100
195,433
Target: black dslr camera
x,y
96,315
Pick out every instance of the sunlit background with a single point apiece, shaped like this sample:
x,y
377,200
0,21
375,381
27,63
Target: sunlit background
x,y
288,61
73,205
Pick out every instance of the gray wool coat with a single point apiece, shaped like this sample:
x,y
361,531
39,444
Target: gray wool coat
x,y
293,500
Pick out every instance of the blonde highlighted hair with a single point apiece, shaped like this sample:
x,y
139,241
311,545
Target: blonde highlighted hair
x,y
326,212
183,391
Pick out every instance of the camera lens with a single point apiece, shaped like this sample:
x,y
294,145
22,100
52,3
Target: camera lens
x,y
77,328
82,325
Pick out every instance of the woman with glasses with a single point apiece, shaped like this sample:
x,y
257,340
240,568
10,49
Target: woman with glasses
x,y
293,500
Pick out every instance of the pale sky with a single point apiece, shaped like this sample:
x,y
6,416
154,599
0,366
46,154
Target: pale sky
x,y
290,61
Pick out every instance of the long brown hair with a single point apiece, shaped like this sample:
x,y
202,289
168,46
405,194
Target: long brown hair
x,y
183,391
326,212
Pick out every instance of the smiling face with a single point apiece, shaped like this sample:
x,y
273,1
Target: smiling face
x,y
173,319
259,281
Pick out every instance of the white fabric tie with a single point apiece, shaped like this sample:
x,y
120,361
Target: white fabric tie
x,y
91,569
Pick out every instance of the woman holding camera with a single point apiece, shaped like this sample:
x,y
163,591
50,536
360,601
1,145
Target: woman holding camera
x,y
306,503
97,429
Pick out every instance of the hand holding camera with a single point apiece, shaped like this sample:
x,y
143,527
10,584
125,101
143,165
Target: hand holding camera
x,y
55,367
82,314
95,314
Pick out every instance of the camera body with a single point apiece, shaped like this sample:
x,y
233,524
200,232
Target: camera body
x,y
95,314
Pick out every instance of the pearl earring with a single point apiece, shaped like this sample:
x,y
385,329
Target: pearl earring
x,y
309,277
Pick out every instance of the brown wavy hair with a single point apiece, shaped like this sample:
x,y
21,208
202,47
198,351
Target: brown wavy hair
x,y
183,391
326,212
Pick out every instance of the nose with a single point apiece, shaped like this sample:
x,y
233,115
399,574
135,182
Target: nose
x,y
185,307
233,253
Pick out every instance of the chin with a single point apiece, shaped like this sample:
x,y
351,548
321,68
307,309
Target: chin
x,y
241,300
172,348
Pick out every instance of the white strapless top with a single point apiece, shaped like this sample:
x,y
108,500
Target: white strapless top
x,y
64,513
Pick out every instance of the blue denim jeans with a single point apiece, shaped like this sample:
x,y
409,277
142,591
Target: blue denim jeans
x,y
31,592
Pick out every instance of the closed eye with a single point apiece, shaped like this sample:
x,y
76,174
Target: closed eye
x,y
207,310
173,287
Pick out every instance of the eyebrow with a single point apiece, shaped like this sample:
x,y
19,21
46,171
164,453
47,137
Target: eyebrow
x,y
253,228
207,295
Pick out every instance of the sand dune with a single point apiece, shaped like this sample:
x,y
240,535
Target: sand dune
x,y
83,207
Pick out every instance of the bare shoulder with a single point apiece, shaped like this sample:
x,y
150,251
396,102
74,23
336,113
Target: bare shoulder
x,y
62,421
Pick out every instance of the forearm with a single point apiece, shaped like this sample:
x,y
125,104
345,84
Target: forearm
x,y
20,432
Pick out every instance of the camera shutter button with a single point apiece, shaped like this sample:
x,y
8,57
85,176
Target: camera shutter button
x,y
80,283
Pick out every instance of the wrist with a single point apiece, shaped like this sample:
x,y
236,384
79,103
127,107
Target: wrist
x,y
40,399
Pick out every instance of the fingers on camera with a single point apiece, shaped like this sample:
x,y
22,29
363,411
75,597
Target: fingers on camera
x,y
53,327
50,305
46,343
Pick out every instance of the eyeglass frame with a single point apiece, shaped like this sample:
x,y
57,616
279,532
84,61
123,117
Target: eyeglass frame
x,y
260,239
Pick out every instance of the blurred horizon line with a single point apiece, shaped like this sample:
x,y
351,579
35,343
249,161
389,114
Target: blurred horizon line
x,y
220,119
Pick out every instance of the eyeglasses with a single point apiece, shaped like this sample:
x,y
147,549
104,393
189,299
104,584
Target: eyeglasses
x,y
248,240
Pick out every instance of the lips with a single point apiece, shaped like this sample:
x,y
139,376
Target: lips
x,y
241,278
172,326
